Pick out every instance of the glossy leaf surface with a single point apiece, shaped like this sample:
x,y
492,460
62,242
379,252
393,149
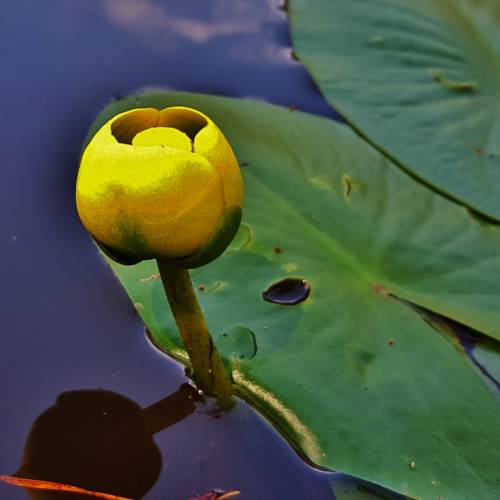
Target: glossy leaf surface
x,y
420,79
351,375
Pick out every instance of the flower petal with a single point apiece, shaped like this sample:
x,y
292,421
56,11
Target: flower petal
x,y
218,241
211,143
186,120
150,201
126,125
163,136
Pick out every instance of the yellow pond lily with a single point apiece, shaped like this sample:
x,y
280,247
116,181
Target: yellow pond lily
x,y
160,184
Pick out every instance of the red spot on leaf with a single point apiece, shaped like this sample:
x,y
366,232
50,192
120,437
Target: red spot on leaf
x,y
380,289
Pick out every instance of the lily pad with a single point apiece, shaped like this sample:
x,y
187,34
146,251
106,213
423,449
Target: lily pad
x,y
353,377
420,79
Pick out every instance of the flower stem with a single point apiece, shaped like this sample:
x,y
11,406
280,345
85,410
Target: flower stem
x,y
209,373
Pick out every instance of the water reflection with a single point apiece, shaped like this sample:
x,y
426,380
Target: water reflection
x,y
152,20
101,441
63,61
167,28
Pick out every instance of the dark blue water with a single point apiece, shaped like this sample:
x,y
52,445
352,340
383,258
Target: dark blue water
x,y
66,323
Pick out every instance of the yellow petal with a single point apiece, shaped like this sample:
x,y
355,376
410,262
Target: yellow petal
x,y
163,136
210,142
161,201
126,125
187,120
142,190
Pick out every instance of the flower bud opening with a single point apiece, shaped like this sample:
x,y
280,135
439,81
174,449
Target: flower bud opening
x,y
163,136
188,121
160,184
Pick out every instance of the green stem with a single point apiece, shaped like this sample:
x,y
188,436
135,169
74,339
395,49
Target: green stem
x,y
208,369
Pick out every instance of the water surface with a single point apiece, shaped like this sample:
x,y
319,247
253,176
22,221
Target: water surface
x,y
68,327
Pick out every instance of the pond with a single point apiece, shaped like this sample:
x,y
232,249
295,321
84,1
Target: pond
x,y
67,323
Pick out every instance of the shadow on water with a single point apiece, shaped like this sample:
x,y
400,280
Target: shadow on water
x,y
101,441
66,322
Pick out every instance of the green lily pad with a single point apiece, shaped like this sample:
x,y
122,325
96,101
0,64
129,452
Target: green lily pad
x,y
420,79
353,377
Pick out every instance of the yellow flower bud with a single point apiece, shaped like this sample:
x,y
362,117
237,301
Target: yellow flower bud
x,y
160,184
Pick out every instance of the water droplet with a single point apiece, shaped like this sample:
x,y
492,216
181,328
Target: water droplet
x,y
289,291
239,341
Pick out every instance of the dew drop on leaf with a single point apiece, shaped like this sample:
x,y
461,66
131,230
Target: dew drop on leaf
x,y
289,291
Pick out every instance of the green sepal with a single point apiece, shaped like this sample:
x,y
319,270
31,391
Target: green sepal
x,y
117,256
218,241
215,246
